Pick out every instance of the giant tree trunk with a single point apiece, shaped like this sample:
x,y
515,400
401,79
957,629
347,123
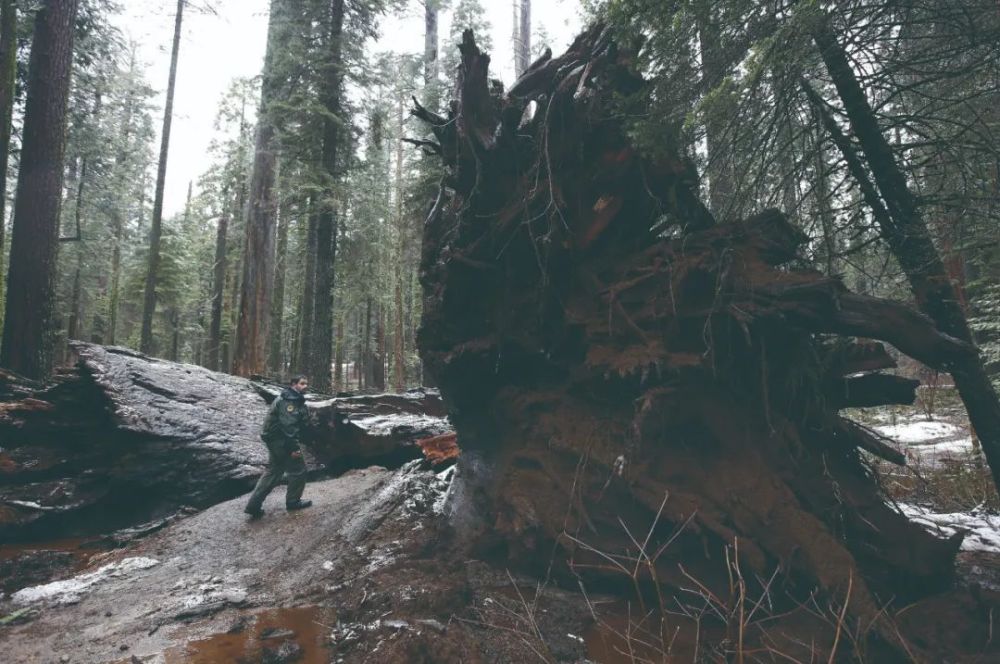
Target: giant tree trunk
x,y
644,398
27,333
321,352
156,230
909,239
253,324
121,438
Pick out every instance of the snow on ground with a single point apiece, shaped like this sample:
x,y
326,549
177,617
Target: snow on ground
x,y
69,591
983,530
917,432
929,444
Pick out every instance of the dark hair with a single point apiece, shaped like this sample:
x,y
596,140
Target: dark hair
x,y
298,379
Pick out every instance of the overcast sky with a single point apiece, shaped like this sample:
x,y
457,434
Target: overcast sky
x,y
215,49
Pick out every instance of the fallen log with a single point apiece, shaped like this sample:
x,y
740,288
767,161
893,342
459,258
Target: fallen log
x,y
122,438
644,395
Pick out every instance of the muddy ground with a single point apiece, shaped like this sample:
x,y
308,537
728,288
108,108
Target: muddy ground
x,y
349,579
370,573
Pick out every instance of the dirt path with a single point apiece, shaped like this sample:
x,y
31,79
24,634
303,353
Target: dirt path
x,y
198,578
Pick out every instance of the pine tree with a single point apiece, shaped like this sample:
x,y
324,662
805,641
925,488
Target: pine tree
x,y
156,231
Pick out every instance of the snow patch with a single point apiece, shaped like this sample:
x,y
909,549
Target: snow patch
x,y
919,432
982,529
69,591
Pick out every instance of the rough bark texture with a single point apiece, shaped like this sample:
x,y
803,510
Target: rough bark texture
x,y
156,230
254,320
28,332
637,388
321,355
122,438
909,238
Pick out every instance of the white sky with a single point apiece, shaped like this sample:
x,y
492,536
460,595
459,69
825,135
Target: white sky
x,y
215,49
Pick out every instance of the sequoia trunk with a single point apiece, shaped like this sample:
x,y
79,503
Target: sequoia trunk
x,y
28,333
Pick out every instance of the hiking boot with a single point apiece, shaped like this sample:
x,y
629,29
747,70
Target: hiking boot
x,y
298,505
255,513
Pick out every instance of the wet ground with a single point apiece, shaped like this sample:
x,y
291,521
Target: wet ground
x,y
204,588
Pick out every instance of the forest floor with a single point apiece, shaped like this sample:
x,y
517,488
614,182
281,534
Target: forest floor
x,y
355,578
362,576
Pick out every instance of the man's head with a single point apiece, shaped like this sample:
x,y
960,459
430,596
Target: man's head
x,y
300,384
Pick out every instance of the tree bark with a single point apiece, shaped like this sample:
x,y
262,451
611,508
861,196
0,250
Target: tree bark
x,y
909,239
156,230
277,352
338,372
27,346
8,77
253,324
430,42
73,327
308,290
321,355
218,293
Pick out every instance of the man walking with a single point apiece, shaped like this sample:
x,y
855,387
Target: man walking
x,y
282,433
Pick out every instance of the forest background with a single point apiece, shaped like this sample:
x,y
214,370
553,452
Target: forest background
x,y
285,236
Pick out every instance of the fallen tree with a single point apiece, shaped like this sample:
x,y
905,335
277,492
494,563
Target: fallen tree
x,y
121,437
649,400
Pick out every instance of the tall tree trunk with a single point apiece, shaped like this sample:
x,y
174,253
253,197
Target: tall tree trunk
x,y
156,231
909,239
338,372
276,352
114,297
218,293
117,220
378,361
253,325
369,369
75,314
175,334
399,368
27,338
721,185
430,42
73,328
399,378
524,34
308,290
326,233
8,77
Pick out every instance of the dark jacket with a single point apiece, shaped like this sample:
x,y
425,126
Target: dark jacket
x,y
286,421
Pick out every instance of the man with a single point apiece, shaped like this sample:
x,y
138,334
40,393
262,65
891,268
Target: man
x,y
282,431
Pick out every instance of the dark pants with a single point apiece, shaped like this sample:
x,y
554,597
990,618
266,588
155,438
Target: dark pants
x,y
281,461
